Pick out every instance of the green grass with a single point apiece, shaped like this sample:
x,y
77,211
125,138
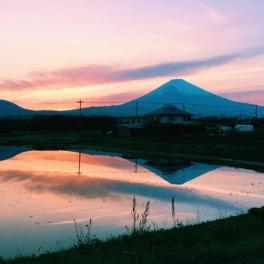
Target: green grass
x,y
237,239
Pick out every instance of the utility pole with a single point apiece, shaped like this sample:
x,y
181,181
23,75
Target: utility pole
x,y
136,109
256,113
80,102
183,106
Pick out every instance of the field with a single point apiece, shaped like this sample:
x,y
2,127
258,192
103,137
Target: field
x,y
234,150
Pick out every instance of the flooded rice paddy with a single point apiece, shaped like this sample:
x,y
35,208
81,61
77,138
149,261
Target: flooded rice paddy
x,y
43,191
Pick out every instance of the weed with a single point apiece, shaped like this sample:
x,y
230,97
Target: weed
x,y
84,237
173,211
134,214
143,222
176,222
139,224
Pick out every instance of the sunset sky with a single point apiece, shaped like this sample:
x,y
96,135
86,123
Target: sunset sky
x,y
54,52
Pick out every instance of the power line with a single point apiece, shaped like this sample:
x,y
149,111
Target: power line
x,y
160,103
155,103
256,110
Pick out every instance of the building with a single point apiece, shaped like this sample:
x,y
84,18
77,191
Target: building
x,y
241,128
225,129
130,125
169,114
129,120
135,125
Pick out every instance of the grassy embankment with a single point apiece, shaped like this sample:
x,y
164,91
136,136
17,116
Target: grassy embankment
x,y
238,239
235,150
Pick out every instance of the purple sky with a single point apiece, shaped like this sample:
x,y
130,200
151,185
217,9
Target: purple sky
x,y
54,52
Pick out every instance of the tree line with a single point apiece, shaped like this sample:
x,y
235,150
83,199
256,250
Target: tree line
x,y
57,123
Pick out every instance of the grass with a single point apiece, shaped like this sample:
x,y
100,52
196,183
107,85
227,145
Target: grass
x,y
237,239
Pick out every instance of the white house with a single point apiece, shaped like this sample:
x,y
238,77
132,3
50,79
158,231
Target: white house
x,y
169,114
244,128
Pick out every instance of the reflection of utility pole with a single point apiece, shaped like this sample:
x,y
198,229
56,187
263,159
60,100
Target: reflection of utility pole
x,y
79,163
136,165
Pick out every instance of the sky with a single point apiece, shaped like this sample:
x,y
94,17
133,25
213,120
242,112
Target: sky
x,y
110,51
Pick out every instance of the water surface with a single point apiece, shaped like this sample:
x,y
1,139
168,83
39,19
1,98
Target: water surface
x,y
43,191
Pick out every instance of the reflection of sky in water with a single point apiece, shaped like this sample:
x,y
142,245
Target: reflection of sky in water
x,y
42,192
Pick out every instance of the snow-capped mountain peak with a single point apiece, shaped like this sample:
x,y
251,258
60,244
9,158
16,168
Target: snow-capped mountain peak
x,y
179,86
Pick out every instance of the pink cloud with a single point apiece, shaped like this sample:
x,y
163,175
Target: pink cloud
x,y
70,103
252,97
117,98
100,74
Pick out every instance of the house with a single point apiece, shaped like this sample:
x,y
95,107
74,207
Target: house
x,y
130,125
135,125
126,130
225,129
241,128
128,120
169,113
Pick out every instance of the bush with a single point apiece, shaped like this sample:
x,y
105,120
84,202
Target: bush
x,y
173,129
56,123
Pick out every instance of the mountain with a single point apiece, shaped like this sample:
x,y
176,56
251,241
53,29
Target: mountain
x,y
11,110
184,95
177,91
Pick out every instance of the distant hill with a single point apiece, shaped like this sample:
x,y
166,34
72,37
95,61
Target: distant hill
x,y
177,91
11,110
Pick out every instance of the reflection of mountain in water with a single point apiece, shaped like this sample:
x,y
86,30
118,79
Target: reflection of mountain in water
x,y
8,152
93,187
173,175
181,174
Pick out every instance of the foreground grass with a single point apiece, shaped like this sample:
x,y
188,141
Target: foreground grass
x,y
235,150
238,239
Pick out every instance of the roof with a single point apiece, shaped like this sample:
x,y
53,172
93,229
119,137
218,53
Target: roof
x,y
130,125
135,117
169,110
